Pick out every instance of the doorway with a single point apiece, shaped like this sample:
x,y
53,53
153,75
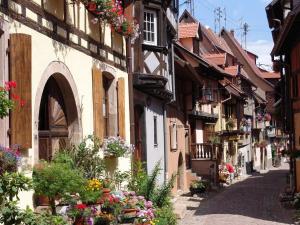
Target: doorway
x,y
180,179
139,154
53,122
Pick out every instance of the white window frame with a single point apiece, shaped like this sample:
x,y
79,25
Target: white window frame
x,y
154,42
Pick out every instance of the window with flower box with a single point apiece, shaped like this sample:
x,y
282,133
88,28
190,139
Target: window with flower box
x,y
150,27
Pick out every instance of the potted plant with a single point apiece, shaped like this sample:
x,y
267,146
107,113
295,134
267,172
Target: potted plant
x,y
267,117
145,217
92,192
199,186
230,124
263,144
259,117
104,219
86,157
9,159
79,213
116,147
129,204
56,180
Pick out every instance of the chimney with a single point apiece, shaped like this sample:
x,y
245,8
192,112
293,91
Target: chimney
x,y
232,32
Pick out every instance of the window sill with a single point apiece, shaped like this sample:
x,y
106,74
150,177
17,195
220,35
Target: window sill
x,y
155,48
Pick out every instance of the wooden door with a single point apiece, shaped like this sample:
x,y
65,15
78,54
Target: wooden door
x,y
138,119
53,126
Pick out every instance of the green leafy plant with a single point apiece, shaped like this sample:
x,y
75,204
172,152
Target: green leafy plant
x,y
138,177
11,184
31,218
57,180
230,123
120,177
199,186
165,216
86,157
215,139
146,185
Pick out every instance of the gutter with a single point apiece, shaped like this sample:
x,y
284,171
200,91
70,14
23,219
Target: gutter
x,y
166,164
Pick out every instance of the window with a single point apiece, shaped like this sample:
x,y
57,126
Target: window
x,y
105,106
155,130
150,27
173,133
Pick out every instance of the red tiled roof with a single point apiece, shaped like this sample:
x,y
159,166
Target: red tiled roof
x,y
244,54
188,30
218,59
216,40
270,75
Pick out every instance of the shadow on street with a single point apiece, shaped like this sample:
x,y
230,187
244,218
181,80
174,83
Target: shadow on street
x,y
252,201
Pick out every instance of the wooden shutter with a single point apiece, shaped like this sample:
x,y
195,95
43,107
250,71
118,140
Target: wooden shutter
x,y
121,107
20,71
98,103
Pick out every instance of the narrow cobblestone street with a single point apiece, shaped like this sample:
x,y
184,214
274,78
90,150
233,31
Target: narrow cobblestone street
x,y
252,201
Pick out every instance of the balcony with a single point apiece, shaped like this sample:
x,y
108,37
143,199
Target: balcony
x,y
204,112
229,126
205,151
155,78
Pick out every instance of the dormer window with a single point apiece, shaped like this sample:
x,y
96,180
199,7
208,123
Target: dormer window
x,y
150,27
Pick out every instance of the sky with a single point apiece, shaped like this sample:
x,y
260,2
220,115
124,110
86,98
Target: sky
x,y
252,12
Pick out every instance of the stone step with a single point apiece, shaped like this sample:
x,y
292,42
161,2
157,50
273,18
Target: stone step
x,y
180,210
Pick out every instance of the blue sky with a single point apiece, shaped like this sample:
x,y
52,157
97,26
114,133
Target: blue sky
x,y
259,39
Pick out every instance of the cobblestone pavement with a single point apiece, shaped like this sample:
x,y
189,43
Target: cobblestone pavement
x,y
254,201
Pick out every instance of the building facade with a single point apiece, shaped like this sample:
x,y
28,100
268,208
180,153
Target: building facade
x,y
71,72
153,79
283,17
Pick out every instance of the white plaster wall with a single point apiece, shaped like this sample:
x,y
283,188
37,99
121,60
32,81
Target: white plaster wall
x,y
155,153
44,51
199,132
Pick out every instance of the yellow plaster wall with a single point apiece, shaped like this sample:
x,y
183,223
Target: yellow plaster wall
x,y
44,51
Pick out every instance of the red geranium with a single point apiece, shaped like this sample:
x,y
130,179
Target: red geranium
x,y
81,206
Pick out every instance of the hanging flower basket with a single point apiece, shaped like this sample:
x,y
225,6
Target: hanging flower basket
x,y
267,117
111,11
259,117
116,147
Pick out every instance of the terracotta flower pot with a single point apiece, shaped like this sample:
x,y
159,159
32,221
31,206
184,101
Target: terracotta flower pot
x,y
106,192
129,212
42,200
79,221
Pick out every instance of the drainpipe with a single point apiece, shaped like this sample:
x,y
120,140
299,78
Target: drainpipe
x,y
166,164
130,88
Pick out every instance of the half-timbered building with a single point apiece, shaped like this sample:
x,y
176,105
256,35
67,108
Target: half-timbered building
x,y
70,69
153,78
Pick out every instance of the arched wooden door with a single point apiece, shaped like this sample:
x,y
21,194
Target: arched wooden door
x,y
53,125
